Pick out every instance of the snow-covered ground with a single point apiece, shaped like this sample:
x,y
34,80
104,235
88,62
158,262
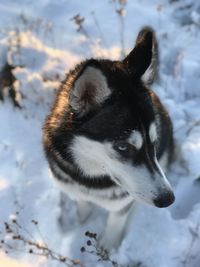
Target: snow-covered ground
x,y
41,39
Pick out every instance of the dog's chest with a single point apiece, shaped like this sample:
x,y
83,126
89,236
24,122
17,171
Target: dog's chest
x,y
112,198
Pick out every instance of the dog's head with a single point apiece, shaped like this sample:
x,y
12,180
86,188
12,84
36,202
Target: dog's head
x,y
118,121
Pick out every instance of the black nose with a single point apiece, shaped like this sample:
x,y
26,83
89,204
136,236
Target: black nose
x,y
164,200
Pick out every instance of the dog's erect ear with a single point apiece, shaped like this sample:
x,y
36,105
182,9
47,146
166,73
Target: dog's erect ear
x,y
143,59
89,90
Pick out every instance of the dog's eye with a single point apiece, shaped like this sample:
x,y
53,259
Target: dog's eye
x,y
124,148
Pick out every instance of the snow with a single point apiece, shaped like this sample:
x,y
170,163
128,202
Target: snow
x,y
45,45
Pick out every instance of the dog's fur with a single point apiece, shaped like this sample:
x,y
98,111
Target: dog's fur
x,y
108,139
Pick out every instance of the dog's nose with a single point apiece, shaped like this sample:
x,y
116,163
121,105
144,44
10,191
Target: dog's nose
x,y
164,200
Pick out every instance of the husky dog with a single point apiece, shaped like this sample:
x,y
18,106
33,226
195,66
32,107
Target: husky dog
x,y
108,139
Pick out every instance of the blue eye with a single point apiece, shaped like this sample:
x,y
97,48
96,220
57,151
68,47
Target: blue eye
x,y
122,147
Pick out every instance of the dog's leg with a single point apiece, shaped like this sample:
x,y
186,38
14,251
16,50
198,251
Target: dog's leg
x,y
67,216
115,228
84,210
69,210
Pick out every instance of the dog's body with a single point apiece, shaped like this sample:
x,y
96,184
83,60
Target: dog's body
x,y
108,138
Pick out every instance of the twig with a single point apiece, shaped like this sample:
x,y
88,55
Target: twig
x,y
191,127
195,236
99,28
19,234
195,123
120,10
101,253
79,22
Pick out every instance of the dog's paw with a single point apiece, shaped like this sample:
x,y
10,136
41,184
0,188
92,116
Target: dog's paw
x,y
84,211
67,214
109,241
66,222
73,214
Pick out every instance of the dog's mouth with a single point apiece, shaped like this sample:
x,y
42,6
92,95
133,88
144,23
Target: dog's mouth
x,y
117,181
160,201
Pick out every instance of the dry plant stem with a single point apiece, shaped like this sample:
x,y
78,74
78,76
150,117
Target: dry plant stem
x,y
195,123
19,234
122,35
120,10
195,236
102,37
102,254
79,21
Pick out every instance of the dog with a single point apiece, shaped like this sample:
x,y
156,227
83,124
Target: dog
x,y
108,138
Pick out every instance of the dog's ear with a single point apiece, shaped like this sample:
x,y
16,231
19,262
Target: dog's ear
x,y
89,91
143,59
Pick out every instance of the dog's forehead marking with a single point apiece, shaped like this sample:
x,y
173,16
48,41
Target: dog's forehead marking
x,y
152,132
136,139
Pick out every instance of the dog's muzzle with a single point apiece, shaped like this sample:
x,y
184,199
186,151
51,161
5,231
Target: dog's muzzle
x,y
164,200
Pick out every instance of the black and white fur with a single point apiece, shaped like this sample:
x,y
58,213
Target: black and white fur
x,y
108,139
